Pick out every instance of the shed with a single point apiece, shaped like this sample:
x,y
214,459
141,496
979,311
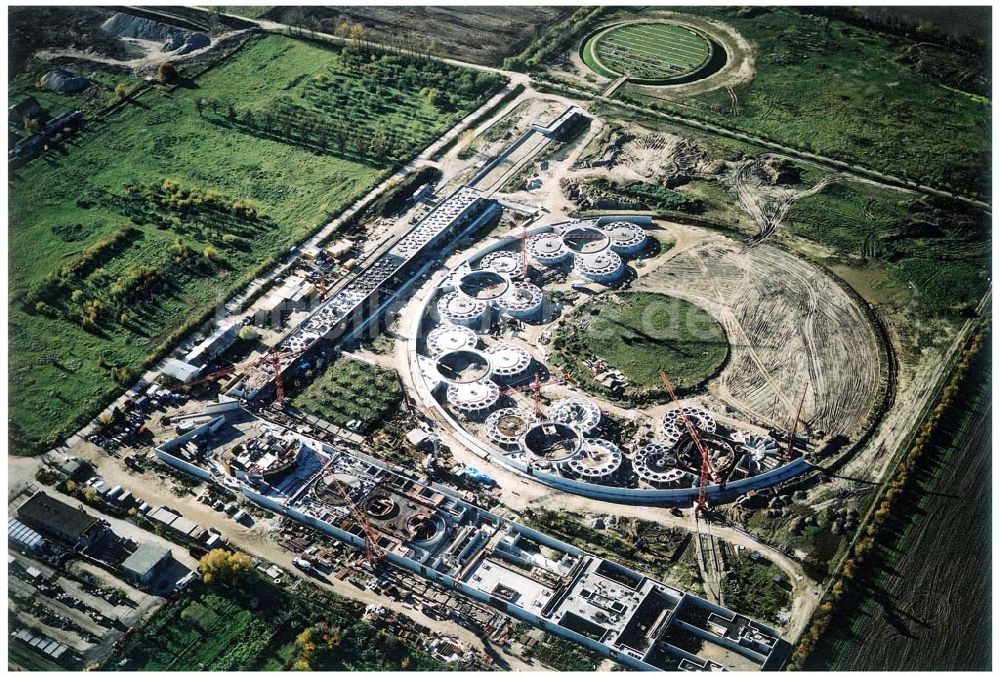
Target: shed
x,y
147,561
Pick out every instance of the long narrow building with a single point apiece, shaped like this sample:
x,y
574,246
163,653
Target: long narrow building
x,y
362,298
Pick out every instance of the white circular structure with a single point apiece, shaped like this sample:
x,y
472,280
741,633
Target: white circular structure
x,y
582,414
503,262
459,309
672,425
508,360
598,462
657,464
604,267
446,338
475,397
550,443
463,366
627,239
506,426
483,285
548,249
584,239
523,300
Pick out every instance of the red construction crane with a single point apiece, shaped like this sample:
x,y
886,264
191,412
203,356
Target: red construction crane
x,y
795,425
373,551
273,357
279,383
706,468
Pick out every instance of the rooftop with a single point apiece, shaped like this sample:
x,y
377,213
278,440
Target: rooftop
x,y
145,558
45,512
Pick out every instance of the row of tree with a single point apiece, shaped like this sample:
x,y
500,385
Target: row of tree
x,y
853,571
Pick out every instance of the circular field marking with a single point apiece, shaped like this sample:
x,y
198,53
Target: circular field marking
x,y
654,53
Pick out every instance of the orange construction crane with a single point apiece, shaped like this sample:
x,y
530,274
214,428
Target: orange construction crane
x,y
795,425
279,383
373,551
273,357
706,467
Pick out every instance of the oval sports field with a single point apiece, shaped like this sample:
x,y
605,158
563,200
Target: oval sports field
x,y
660,51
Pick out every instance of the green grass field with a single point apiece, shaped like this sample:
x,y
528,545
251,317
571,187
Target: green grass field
x,y
641,333
934,254
253,627
647,51
909,109
352,390
72,197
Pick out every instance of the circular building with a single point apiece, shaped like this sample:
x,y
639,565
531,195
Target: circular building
x,y
604,267
657,465
506,426
548,249
599,461
503,262
627,239
550,443
462,310
483,285
463,366
577,412
473,398
673,427
522,301
446,338
585,240
334,488
508,361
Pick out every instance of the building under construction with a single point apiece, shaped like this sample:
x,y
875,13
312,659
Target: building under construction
x,y
428,529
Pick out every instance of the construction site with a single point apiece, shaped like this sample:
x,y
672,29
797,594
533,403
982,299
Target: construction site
x,y
574,386
427,529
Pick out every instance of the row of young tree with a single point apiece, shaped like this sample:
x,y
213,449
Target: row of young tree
x,y
299,126
857,568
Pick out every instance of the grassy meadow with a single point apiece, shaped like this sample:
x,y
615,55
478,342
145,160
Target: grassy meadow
x,y
204,205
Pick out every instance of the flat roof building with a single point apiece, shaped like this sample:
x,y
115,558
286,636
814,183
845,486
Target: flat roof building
x,y
147,562
58,520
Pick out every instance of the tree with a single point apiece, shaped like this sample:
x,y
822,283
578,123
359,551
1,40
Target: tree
x,y
167,73
356,34
121,90
224,566
210,252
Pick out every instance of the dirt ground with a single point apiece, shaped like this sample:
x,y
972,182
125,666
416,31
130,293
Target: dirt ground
x,y
481,34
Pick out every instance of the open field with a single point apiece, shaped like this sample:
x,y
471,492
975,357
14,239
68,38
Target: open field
x,y
928,605
665,554
101,212
646,51
640,334
756,586
906,108
935,253
482,35
352,390
788,325
252,627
